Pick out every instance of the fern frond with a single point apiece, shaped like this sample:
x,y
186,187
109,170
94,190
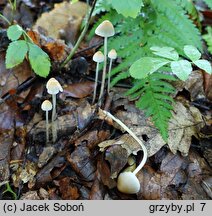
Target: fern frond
x,y
154,97
209,3
208,38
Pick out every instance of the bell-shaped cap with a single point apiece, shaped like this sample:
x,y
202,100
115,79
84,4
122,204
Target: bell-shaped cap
x,y
98,57
128,183
53,86
112,54
46,105
105,29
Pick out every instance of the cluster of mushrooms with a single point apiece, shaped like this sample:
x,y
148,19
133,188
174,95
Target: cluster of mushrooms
x,y
53,88
127,181
105,29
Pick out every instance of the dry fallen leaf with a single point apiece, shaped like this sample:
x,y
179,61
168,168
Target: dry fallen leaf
x,y
185,123
60,17
78,90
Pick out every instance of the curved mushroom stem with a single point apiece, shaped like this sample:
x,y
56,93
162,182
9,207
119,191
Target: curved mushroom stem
x,y
104,69
134,136
54,126
108,79
96,81
47,127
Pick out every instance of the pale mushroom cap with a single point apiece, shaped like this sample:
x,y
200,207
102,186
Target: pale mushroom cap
x,y
105,29
112,54
46,105
98,57
53,86
128,183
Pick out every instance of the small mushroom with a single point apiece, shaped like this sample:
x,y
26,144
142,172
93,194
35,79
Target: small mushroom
x,y
98,57
105,29
47,106
128,183
53,88
129,180
112,55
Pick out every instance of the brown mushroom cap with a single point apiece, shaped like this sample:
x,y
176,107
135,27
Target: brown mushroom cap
x,y
105,29
53,86
46,105
112,54
98,57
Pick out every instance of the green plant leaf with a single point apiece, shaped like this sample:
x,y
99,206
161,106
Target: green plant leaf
x,y
161,49
146,65
14,32
192,52
127,8
39,60
166,52
16,53
204,65
181,69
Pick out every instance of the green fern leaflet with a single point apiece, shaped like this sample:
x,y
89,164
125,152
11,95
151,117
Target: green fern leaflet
x,y
154,97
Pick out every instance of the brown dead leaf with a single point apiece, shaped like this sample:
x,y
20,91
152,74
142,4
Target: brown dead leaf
x,y
117,157
56,49
30,195
185,123
105,173
6,141
208,85
64,12
79,90
82,163
68,191
11,79
194,85
126,141
92,138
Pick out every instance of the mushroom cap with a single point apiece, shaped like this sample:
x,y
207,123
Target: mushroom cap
x,y
105,29
53,86
98,57
46,105
128,183
112,54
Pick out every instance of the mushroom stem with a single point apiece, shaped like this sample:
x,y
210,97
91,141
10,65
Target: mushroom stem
x,y
47,127
134,136
104,69
108,79
96,81
54,126
54,107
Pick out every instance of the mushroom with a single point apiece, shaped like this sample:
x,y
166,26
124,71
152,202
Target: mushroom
x,y
53,88
47,106
127,181
98,57
105,29
112,55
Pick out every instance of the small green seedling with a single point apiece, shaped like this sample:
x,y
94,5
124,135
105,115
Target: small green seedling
x,y
9,190
18,50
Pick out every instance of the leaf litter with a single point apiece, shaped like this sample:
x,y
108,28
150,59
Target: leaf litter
x,y
92,150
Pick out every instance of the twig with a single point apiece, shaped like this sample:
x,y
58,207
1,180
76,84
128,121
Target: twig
x,y
81,35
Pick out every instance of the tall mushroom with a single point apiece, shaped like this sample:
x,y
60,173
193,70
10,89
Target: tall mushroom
x,y
98,57
127,181
112,55
105,29
47,106
53,88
